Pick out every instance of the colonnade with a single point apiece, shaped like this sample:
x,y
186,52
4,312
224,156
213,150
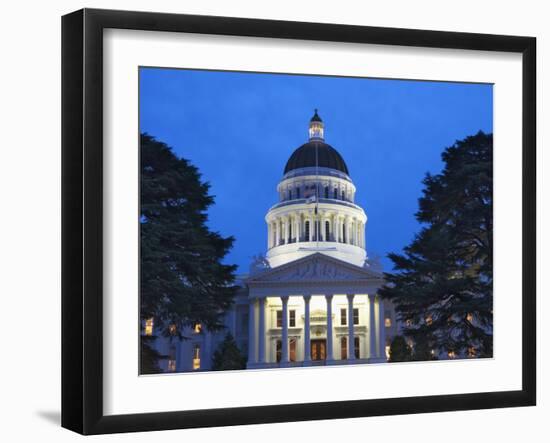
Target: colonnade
x,y
257,330
304,226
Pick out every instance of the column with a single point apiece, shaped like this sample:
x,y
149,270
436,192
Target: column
x,y
261,331
372,328
269,235
351,341
381,328
277,231
251,331
311,227
307,338
330,353
298,233
284,340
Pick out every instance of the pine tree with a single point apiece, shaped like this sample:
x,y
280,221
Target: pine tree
x,y
443,284
183,279
228,356
149,357
399,350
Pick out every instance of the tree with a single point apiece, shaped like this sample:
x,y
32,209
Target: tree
x,y
423,349
228,356
443,284
399,350
183,280
149,357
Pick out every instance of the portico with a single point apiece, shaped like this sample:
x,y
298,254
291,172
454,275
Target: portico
x,y
314,311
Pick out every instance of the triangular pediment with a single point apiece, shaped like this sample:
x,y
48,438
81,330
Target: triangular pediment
x,y
314,268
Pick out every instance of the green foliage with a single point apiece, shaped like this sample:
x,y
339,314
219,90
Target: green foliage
x,y
149,357
422,349
443,284
399,350
228,356
183,279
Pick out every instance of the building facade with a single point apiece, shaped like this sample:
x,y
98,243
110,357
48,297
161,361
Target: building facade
x,y
313,299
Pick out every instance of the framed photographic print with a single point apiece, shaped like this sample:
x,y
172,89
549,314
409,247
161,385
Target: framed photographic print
x,y
269,221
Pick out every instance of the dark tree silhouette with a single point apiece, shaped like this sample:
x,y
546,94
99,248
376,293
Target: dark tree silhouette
x,y
183,279
443,284
228,356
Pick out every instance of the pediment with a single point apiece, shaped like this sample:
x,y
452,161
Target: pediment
x,y
315,268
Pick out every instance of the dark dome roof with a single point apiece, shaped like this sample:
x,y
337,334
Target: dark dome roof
x,y
328,157
316,117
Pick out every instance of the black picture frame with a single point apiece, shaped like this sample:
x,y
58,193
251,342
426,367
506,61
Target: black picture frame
x,y
82,218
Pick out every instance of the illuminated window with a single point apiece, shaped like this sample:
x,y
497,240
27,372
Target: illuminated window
x,y
387,322
472,351
343,317
356,346
451,354
172,359
429,320
408,322
172,329
196,357
355,316
469,317
149,326
197,328
279,319
292,350
292,318
387,348
344,348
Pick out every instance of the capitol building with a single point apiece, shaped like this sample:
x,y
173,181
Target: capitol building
x,y
312,300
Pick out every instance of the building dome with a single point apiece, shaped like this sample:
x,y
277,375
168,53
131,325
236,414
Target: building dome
x,y
316,211
316,153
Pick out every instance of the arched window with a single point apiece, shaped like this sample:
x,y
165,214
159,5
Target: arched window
x,y
326,191
343,194
307,231
290,194
335,194
297,192
327,231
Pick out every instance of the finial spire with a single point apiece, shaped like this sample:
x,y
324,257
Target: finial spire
x,y
316,127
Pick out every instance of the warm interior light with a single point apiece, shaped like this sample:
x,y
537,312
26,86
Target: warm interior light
x,y
149,326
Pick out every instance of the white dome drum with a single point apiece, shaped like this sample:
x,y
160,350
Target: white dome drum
x,y
316,210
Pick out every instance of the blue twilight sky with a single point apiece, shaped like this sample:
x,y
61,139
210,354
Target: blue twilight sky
x,y
239,129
